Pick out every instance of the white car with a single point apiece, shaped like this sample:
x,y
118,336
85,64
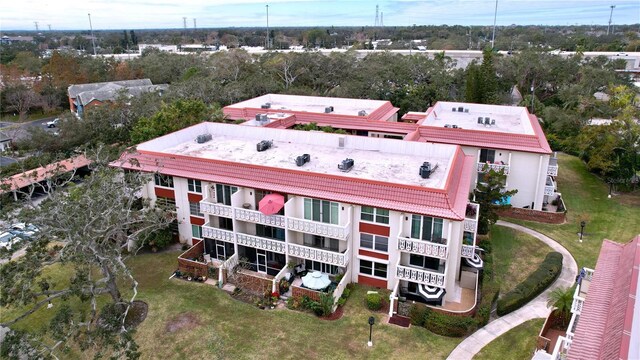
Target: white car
x,y
7,239
53,123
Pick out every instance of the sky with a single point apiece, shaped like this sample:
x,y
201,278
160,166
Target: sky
x,y
150,14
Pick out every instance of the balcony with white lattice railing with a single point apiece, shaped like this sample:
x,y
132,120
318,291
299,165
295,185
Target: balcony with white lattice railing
x,y
215,233
423,247
340,232
261,243
210,207
552,169
467,251
472,213
422,276
321,255
259,218
550,186
495,167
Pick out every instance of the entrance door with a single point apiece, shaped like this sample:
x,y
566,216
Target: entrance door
x,y
262,262
221,251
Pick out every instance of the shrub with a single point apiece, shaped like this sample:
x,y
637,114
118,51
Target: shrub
x,y
533,285
342,301
317,308
448,325
326,303
374,301
346,293
416,314
293,303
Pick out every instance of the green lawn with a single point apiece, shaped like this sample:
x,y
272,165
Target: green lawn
x,y
221,327
585,195
515,256
517,343
30,117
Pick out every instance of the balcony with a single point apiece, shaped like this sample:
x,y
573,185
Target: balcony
x,y
261,243
340,232
325,256
470,222
552,169
213,208
495,167
217,234
549,187
259,218
467,251
423,247
422,276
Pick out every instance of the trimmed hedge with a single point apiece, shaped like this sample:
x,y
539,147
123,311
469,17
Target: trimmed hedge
x,y
374,301
532,286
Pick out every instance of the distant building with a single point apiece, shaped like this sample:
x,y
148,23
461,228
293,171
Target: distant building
x,y
6,40
82,96
161,47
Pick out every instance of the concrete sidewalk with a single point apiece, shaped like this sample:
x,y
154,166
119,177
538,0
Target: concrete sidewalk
x,y
536,308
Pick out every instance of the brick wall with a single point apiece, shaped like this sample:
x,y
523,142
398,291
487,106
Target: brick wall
x,y
533,215
186,265
256,284
297,291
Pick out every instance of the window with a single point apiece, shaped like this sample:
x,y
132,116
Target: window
x,y
194,209
275,233
224,192
163,180
424,262
319,266
368,213
374,242
226,223
196,231
321,210
321,242
168,204
194,185
427,228
487,155
373,268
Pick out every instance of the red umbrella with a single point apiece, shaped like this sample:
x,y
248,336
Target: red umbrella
x,y
271,204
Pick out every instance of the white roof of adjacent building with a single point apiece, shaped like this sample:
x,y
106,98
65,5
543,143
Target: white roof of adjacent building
x,y
314,104
379,159
508,119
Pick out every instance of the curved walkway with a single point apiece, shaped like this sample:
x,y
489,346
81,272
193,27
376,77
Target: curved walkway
x,y
536,308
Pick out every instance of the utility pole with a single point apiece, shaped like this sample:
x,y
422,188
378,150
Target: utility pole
x,y
495,16
184,23
93,39
610,17
382,19
268,41
194,23
377,22
49,25
35,22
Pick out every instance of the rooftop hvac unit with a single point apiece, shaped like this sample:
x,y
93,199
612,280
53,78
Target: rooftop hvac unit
x,y
460,109
346,165
303,159
425,170
203,138
466,110
487,121
328,109
454,126
341,141
453,109
264,145
262,118
493,122
265,106
480,120
362,113
447,126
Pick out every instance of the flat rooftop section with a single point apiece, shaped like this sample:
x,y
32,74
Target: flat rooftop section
x,y
312,104
385,160
505,119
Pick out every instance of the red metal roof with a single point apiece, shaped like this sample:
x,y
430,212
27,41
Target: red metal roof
x,y
29,177
604,326
449,203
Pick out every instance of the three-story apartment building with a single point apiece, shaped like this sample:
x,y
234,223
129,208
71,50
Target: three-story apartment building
x,y
370,209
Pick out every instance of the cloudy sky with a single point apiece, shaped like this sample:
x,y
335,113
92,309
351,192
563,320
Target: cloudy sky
x,y
145,14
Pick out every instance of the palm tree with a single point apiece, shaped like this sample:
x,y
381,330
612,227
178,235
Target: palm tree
x,y
561,299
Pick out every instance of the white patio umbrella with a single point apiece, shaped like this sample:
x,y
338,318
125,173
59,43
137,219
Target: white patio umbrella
x,y
316,280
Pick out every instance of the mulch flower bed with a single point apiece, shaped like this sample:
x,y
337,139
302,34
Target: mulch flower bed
x,y
137,313
336,314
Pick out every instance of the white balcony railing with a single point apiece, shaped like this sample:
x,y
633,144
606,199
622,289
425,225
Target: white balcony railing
x,y
552,170
549,190
325,256
259,218
420,276
494,167
467,251
318,228
217,234
576,305
470,225
212,208
261,243
561,349
422,247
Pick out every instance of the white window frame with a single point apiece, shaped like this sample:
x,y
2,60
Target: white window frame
x,y
375,239
373,269
333,206
162,180
194,186
374,214
195,211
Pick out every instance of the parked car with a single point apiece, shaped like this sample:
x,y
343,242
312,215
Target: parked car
x,y
24,231
7,240
53,123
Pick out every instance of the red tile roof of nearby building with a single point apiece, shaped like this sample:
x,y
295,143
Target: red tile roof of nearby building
x,y
29,177
448,203
604,326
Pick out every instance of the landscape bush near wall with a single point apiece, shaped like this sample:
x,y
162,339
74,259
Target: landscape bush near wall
x,y
532,286
532,215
